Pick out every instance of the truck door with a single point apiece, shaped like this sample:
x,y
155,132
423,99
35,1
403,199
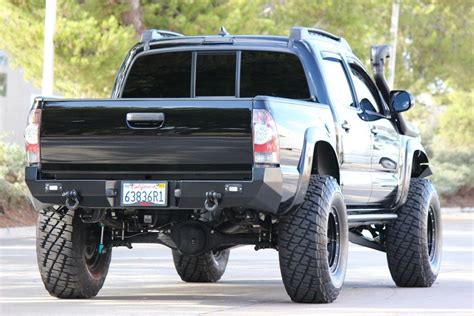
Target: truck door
x,y
385,139
354,133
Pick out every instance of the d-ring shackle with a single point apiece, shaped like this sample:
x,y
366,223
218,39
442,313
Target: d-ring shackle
x,y
72,199
212,200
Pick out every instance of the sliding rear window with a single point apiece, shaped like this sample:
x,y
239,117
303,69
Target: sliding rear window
x,y
215,74
174,75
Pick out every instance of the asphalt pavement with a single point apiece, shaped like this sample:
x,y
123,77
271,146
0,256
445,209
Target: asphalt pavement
x,y
143,281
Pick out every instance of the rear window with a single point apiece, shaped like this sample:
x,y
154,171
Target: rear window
x,y
273,74
160,76
215,74
170,75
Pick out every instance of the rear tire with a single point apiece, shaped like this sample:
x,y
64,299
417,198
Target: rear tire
x,y
205,268
68,260
313,244
414,240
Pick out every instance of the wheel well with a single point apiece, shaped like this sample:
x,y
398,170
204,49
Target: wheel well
x,y
325,161
420,164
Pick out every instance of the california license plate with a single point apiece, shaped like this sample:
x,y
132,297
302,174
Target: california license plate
x,y
144,194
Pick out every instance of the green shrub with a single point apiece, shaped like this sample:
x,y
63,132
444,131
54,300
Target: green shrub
x,y
453,169
452,144
12,177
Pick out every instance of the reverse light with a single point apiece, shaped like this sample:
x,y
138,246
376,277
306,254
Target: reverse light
x,y
265,138
32,132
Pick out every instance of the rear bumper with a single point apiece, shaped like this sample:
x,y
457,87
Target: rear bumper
x,y
263,192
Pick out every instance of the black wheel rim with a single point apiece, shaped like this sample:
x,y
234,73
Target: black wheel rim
x,y
333,240
91,252
431,231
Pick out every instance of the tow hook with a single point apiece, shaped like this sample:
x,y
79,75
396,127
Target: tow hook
x,y
212,200
72,199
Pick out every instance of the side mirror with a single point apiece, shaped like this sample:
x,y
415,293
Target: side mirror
x,y
401,101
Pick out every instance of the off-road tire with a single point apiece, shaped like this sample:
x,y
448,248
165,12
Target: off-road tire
x,y
206,268
412,260
303,244
61,242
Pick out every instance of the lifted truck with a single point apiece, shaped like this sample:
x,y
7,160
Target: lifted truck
x,y
211,142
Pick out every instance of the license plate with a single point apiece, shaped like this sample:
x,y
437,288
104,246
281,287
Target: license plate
x,y
144,194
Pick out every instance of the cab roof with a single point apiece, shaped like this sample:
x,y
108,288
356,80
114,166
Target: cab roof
x,y
159,38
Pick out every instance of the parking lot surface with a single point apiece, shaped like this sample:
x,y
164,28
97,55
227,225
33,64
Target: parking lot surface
x,y
143,281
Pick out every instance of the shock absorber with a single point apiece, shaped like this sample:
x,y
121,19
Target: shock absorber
x,y
100,246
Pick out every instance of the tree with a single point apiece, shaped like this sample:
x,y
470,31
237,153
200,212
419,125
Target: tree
x,y
436,45
92,37
361,23
88,49
196,17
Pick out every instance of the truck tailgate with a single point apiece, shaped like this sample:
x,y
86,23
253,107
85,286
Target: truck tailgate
x,y
155,138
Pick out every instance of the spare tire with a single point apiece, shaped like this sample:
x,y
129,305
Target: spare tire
x,y
208,267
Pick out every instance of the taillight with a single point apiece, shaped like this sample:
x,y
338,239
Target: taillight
x,y
32,132
265,138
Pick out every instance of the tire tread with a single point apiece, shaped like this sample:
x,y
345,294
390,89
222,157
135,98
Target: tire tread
x,y
202,268
59,259
406,239
303,261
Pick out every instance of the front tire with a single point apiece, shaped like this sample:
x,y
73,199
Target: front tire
x,y
205,268
313,244
414,239
68,258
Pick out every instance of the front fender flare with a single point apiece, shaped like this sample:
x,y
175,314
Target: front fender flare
x,y
412,145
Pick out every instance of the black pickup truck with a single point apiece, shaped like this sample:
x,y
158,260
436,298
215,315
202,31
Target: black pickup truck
x,y
211,142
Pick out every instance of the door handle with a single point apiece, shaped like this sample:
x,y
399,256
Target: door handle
x,y
346,126
374,130
145,120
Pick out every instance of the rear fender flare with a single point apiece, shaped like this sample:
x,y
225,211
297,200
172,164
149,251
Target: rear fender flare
x,y
313,135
